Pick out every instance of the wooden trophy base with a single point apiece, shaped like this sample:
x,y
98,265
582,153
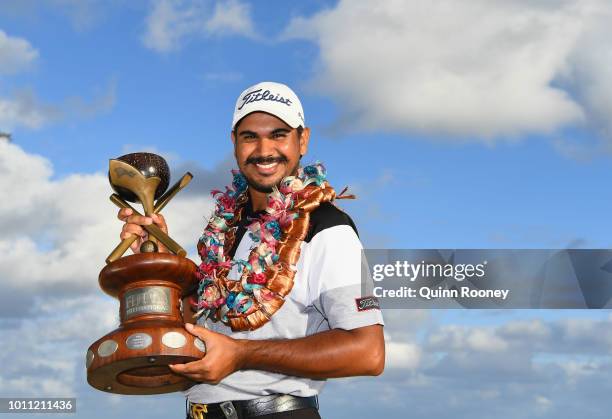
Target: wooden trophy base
x,y
142,370
134,358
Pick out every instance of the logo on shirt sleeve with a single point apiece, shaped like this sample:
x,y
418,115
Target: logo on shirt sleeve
x,y
367,303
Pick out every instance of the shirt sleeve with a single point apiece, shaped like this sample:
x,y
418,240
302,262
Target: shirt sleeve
x,y
335,280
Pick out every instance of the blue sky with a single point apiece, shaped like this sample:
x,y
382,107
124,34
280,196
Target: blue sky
x,y
459,125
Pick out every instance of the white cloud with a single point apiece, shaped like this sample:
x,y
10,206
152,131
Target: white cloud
x,y
167,25
588,72
523,367
102,101
83,14
170,22
471,339
402,355
57,233
481,340
473,70
16,54
53,231
231,17
577,371
44,356
26,110
22,107
543,404
535,329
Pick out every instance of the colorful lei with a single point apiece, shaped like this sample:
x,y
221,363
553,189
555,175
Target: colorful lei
x,y
267,276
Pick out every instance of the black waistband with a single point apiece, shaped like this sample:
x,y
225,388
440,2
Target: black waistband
x,y
266,405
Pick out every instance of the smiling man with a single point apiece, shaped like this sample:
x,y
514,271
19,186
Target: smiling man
x,y
280,294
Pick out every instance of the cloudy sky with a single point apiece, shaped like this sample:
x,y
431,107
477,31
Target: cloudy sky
x,y
472,124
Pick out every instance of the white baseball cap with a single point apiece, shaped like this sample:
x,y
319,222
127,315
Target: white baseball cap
x,y
273,98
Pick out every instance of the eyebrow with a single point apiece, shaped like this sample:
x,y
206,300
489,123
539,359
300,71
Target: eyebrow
x,y
280,131
276,131
247,132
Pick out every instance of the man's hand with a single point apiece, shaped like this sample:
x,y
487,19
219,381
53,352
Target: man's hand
x,y
329,354
133,227
224,356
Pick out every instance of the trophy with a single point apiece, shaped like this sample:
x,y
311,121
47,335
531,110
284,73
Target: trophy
x,y
134,358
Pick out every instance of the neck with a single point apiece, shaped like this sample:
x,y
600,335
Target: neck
x,y
259,200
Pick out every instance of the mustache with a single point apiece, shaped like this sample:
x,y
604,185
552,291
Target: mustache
x,y
267,160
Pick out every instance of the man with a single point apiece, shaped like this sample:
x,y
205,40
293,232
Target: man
x,y
322,329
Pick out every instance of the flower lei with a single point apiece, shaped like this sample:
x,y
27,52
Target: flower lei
x,y
267,276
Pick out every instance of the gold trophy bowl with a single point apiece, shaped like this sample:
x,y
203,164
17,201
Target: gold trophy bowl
x,y
150,286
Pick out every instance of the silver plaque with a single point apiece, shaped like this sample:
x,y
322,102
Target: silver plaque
x,y
108,347
174,340
146,300
138,341
199,344
89,358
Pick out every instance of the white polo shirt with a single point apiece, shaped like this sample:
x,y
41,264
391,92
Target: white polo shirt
x,y
325,294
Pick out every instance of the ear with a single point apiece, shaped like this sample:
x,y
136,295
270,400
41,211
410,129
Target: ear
x,y
233,135
304,141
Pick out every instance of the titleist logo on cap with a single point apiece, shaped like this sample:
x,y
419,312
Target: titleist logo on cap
x,y
273,98
256,96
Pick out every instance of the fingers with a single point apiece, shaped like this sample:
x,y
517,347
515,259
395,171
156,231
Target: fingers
x,y
194,367
196,371
128,216
124,213
160,221
135,246
139,219
133,227
198,331
130,230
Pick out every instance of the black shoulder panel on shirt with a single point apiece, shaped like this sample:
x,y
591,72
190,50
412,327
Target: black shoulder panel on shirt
x,y
326,216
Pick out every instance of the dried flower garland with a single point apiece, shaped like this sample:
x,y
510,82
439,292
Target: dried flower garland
x,y
267,276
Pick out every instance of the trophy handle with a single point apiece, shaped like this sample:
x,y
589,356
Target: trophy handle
x,y
152,229
120,249
159,205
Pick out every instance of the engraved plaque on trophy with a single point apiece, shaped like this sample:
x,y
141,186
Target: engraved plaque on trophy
x,y
134,358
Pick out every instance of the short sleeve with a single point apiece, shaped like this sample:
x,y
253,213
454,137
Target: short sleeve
x,y
335,279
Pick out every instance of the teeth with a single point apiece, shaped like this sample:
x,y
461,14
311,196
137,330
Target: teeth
x,y
266,166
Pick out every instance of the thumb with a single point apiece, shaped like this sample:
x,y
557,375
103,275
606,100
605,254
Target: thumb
x,y
198,331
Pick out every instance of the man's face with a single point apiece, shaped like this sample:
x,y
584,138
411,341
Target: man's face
x,y
267,149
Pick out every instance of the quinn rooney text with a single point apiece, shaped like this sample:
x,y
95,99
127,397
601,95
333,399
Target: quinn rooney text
x,y
431,293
